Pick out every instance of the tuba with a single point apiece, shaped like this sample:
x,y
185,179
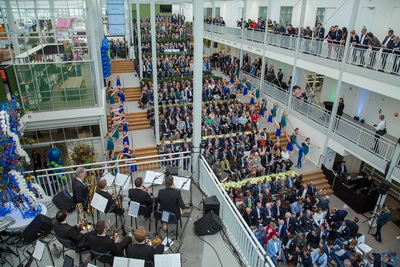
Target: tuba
x,y
82,217
92,190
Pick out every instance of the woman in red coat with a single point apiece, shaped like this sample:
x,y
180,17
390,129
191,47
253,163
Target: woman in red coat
x,y
270,231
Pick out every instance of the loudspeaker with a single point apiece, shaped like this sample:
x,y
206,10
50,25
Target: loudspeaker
x,y
172,170
384,187
63,200
209,224
211,204
40,226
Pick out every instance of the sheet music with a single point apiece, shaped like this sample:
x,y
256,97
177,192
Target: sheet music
x,y
136,263
38,252
120,180
148,179
133,209
99,202
119,261
109,178
164,242
167,260
179,181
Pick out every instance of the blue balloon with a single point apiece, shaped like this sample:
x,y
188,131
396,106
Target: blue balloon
x,y
54,154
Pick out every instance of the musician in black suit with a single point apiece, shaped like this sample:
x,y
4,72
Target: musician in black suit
x,y
141,194
80,191
112,204
170,199
103,243
141,250
74,233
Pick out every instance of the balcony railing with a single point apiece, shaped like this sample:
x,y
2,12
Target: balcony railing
x,y
376,59
353,132
237,229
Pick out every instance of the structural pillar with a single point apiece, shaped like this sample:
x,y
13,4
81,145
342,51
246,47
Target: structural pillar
x,y
264,60
354,12
241,43
154,66
198,27
212,27
12,29
139,36
296,53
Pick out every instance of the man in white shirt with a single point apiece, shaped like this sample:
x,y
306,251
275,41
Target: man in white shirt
x,y
380,129
285,155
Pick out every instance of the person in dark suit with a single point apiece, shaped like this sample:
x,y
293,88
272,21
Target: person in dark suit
x,y
341,169
103,243
363,45
258,214
344,231
396,52
319,35
352,224
340,215
141,250
354,41
289,222
170,199
112,204
249,218
281,229
387,46
374,44
381,220
74,233
329,251
80,191
141,195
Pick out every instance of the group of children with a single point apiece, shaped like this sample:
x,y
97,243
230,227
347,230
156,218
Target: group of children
x,y
117,112
303,148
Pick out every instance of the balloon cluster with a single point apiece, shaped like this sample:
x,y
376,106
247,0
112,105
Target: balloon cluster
x,y
54,156
106,57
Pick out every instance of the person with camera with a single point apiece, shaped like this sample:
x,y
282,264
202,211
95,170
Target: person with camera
x,y
382,219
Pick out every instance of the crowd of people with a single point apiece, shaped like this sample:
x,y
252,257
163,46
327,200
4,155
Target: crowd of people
x,y
169,65
169,47
169,19
296,225
119,48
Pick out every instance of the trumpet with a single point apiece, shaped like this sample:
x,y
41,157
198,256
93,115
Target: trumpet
x,y
82,217
114,235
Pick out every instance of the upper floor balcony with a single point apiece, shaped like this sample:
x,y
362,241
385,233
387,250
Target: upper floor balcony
x,y
374,69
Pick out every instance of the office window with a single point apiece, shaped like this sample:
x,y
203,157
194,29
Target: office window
x,y
286,14
207,12
320,15
262,12
217,12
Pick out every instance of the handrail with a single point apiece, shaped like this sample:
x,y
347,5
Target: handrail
x,y
258,259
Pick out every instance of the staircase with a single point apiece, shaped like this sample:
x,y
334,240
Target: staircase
x,y
136,120
133,93
122,66
319,180
144,152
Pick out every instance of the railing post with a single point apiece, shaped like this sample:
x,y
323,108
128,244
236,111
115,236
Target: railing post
x,y
359,136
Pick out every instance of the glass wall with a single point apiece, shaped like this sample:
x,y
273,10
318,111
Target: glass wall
x,y
47,42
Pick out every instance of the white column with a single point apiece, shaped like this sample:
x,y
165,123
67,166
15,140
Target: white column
x,y
356,6
264,60
139,41
154,67
212,27
12,28
198,27
128,21
241,43
296,54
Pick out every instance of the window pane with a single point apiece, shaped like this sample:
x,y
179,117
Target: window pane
x,y
95,130
320,15
217,12
71,133
208,12
262,12
286,14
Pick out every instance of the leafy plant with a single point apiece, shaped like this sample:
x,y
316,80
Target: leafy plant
x,y
83,153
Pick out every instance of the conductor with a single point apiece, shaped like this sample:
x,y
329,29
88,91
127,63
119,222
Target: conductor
x,y
170,199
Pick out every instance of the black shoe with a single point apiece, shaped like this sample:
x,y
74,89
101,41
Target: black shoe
x,y
374,235
379,240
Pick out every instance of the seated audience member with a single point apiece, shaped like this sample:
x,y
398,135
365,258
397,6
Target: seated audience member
x,y
319,258
103,243
141,250
74,233
274,250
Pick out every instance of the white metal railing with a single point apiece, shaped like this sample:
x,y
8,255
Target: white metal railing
x,y
50,179
311,111
377,59
276,93
364,138
241,235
